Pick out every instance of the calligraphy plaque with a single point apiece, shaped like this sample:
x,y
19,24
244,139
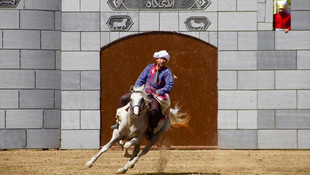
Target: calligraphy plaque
x,y
120,23
9,3
197,23
158,4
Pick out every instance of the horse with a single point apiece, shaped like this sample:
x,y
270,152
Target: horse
x,y
133,126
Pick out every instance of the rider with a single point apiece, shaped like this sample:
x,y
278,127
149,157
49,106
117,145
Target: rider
x,y
158,80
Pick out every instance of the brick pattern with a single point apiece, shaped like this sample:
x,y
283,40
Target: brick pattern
x,y
30,75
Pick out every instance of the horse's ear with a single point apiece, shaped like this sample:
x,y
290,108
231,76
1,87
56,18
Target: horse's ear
x,y
131,88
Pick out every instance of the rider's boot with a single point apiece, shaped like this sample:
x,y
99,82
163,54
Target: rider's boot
x,y
154,119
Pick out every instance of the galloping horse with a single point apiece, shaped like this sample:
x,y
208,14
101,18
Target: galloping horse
x,y
134,121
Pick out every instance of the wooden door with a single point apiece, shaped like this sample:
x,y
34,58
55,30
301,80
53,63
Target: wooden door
x,y
193,61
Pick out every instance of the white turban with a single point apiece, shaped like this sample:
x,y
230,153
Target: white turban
x,y
162,54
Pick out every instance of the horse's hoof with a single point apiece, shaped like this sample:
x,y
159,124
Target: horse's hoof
x,y
121,171
88,164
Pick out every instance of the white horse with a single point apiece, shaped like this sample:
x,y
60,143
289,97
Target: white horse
x,y
134,125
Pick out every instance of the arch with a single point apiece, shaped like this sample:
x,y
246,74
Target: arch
x,y
193,61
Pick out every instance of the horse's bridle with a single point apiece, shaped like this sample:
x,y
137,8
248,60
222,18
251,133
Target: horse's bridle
x,y
138,105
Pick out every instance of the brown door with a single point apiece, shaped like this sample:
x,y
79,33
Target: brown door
x,y
193,61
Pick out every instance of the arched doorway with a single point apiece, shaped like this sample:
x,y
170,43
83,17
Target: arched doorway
x,y
193,61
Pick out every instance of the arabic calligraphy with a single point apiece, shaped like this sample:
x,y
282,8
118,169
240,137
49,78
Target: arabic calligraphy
x,y
160,3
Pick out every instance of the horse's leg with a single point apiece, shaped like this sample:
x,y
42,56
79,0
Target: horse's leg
x,y
115,138
134,160
128,144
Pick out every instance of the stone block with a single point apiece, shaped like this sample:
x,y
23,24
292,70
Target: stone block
x,y
105,18
300,20
238,60
58,20
241,21
80,100
266,119
247,40
80,139
293,119
265,40
70,41
169,21
277,139
46,138
277,99
37,20
80,60
237,99
42,4
265,26
300,5
90,5
237,139
8,98
227,119
227,80
9,19
303,97
247,119
227,41
104,7
303,139
37,98
17,79
48,79
149,21
293,79
80,21
269,11
90,80
57,99
90,41
261,12
2,119
38,59
70,80
11,139
70,120
213,38
50,40
21,39
247,5
70,5
9,59
227,5
1,38
24,119
303,59
256,80
294,40
90,119
277,60
51,119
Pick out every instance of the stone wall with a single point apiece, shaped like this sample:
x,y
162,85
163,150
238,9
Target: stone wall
x,y
30,75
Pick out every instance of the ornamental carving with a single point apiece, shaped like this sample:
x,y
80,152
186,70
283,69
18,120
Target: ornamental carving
x,y
197,23
9,3
158,4
120,23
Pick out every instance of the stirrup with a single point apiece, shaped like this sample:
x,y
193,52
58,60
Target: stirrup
x,y
115,126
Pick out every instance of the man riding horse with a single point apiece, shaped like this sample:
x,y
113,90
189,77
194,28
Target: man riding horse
x,y
158,81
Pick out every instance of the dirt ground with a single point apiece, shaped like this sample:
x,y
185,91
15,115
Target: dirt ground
x,y
157,162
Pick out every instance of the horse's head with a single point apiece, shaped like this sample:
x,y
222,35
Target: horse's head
x,y
138,100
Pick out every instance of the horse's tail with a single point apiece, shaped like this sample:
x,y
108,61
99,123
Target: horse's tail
x,y
179,119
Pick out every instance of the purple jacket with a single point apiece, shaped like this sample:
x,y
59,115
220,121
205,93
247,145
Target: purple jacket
x,y
164,82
